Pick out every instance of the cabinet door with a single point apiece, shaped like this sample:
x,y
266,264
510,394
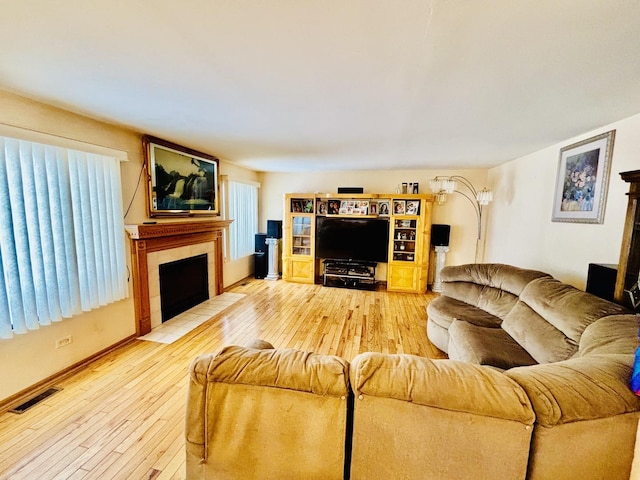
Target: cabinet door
x,y
301,235
402,278
299,270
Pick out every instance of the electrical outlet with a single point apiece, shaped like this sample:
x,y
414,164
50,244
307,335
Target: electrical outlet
x,y
63,342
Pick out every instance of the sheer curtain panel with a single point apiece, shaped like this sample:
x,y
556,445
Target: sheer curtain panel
x,y
62,247
243,210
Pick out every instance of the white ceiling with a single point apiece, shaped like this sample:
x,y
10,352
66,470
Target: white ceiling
x,y
291,85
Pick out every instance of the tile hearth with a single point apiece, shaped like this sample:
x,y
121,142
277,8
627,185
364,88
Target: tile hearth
x,y
173,329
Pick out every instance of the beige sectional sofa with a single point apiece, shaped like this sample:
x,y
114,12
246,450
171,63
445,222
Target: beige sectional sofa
x,y
561,412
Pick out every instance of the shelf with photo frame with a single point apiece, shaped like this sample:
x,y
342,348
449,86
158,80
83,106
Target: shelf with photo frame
x,y
404,240
408,255
301,238
347,206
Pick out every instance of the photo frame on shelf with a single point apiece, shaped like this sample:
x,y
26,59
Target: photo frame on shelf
x,y
399,207
307,205
333,207
322,208
384,208
413,207
296,206
373,208
583,179
361,207
182,181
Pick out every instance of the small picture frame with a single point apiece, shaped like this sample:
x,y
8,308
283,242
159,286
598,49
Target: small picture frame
x,y
413,207
384,208
399,207
373,208
296,206
307,206
322,208
333,207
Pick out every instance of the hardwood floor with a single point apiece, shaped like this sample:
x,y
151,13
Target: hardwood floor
x,y
122,417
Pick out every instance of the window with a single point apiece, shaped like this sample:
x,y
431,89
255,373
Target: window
x,y
242,202
62,247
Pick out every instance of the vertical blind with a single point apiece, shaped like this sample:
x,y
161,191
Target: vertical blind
x,y
62,247
243,210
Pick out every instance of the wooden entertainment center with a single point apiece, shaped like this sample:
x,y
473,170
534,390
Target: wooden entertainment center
x,y
407,248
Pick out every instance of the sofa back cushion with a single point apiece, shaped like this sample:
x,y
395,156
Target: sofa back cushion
x,y
492,287
550,317
617,334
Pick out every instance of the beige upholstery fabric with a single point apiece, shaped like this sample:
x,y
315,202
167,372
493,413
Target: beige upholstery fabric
x,y
482,294
613,334
261,414
550,317
418,418
485,346
586,417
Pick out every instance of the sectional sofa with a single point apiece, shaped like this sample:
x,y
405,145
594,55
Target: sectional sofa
x,y
564,413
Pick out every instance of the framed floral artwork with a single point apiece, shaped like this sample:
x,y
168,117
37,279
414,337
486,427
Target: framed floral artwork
x,y
583,179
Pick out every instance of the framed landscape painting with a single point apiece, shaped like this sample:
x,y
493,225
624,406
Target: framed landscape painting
x,y
181,181
583,179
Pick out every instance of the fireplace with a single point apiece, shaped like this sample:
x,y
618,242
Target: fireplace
x,y
183,284
155,244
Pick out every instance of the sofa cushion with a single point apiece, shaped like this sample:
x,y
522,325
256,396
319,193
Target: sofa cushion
x,y
496,275
550,316
444,310
613,334
485,346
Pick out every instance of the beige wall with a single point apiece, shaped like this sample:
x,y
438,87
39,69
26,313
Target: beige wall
x,y
520,230
457,212
30,358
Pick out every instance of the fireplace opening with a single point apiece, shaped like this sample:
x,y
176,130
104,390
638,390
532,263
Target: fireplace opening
x,y
183,284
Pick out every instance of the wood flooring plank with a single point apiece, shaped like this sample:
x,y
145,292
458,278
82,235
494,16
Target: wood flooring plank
x,y
123,415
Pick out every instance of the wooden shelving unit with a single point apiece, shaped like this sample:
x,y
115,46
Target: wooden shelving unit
x,y
409,234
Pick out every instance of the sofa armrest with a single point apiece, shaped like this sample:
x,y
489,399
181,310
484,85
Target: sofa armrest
x,y
444,384
579,389
259,393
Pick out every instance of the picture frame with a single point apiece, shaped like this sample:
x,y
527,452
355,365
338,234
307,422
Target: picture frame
x,y
322,208
384,208
413,207
181,181
333,207
373,208
399,207
583,179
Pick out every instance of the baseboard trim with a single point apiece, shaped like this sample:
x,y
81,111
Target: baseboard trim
x,y
43,385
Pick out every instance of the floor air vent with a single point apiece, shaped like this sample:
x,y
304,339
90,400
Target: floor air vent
x,y
34,401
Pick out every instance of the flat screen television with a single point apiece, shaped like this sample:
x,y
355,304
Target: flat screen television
x,y
356,239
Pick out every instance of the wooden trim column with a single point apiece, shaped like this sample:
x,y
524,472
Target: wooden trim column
x,y
148,238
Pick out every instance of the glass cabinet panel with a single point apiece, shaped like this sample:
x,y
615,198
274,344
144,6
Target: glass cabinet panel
x,y
404,240
301,235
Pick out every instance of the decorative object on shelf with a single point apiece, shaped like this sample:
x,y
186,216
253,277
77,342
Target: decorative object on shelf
x,y
322,208
399,207
583,179
334,207
443,186
413,207
181,181
415,187
405,186
383,207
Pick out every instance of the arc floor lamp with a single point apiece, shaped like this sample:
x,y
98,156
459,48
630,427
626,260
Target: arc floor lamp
x,y
441,186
